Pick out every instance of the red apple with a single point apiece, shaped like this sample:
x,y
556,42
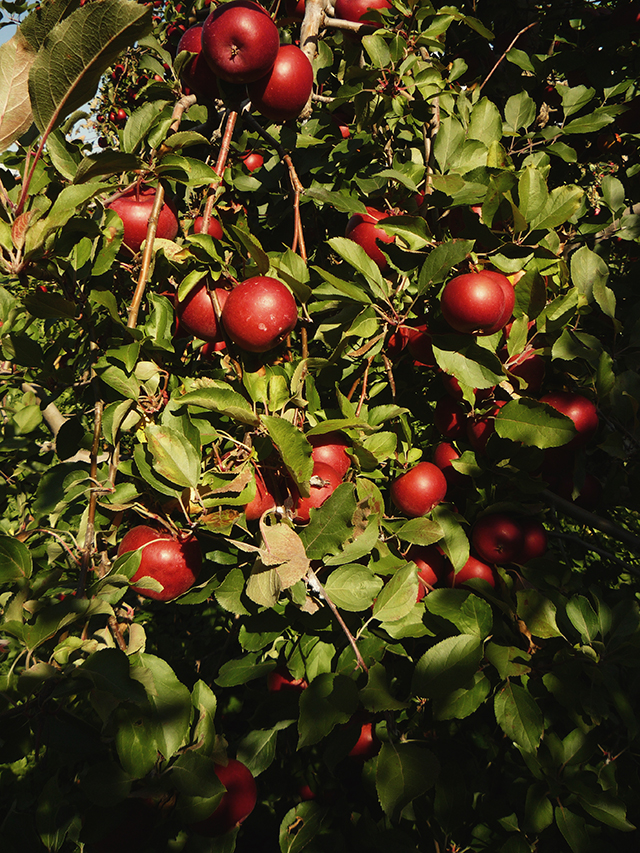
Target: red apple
x,y
197,312
589,495
450,418
281,679
479,429
419,490
134,209
431,563
240,41
173,562
363,229
531,367
534,540
497,537
214,229
262,501
196,74
331,448
421,346
442,457
355,10
252,160
581,410
283,92
474,303
237,802
295,9
259,313
509,300
367,744
473,568
324,481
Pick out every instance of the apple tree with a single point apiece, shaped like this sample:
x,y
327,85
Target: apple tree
x,y
320,434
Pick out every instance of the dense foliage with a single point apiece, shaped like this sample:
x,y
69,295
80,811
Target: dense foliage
x,y
494,716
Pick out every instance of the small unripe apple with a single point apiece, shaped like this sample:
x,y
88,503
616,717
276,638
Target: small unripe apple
x,y
240,41
497,538
419,490
324,481
237,803
331,448
282,93
363,229
259,313
173,562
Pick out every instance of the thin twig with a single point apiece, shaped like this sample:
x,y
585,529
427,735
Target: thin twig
x,y
219,168
592,520
363,393
319,590
513,41
152,227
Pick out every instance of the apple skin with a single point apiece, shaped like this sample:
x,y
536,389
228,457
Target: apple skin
x,y
529,366
259,313
330,448
474,303
473,568
450,419
443,455
197,75
295,9
282,93
252,160
281,679
420,346
240,41
509,300
134,209
419,490
237,803
534,541
172,562
363,229
431,563
497,538
367,744
355,10
197,314
480,429
582,412
214,230
262,501
317,494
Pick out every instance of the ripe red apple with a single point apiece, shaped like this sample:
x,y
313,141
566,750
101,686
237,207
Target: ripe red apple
x,y
331,448
134,209
340,120
473,568
252,160
419,490
442,457
196,74
295,9
474,303
355,10
283,92
479,429
173,562
580,409
259,313
431,563
531,367
497,537
262,501
197,312
281,679
367,744
240,41
421,346
509,300
363,229
324,481
237,803
450,418
534,540
214,229
589,495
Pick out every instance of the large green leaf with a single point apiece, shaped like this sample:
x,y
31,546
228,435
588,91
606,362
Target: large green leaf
x,y
15,560
330,699
293,447
16,59
519,716
398,595
447,666
404,771
353,587
218,396
175,457
534,423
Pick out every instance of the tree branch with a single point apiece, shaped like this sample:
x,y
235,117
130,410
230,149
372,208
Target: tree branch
x,y
319,590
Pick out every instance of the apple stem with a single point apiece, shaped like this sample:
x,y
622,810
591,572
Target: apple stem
x,y
319,590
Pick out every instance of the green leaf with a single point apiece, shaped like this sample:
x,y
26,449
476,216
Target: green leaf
x,y
532,192
440,260
186,170
583,617
533,423
455,543
420,531
561,204
398,595
64,158
463,702
341,201
204,701
16,59
470,363
229,593
520,111
77,51
538,613
217,396
105,163
169,699
467,611
329,529
257,749
356,256
538,814
404,771
235,672
175,458
303,827
353,587
485,123
135,741
292,445
606,808
519,716
252,245
573,829
110,672
67,203
449,665
15,560
448,142
376,696
329,700
376,47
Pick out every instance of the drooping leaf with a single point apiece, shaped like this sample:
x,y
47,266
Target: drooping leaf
x,y
449,665
398,595
16,59
404,771
218,396
15,560
294,449
534,423
329,700
519,716
175,457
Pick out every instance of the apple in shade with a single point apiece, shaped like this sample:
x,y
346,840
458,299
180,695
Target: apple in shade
x,y
237,802
240,41
480,429
214,229
529,366
252,160
262,501
580,409
324,481
197,313
283,92
588,496
450,418
173,561
419,490
356,10
363,229
534,541
196,74
443,456
295,9
476,303
331,448
281,679
259,313
421,346
473,568
367,744
497,538
134,208
431,563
